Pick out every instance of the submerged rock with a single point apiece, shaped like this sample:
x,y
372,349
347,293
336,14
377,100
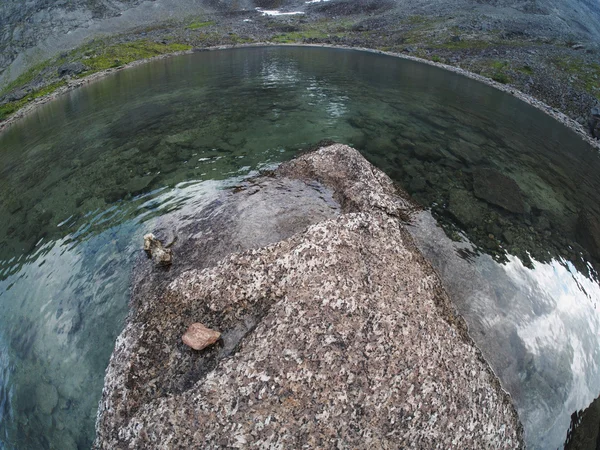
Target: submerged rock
x,y
499,190
338,336
584,432
588,232
464,208
594,122
47,398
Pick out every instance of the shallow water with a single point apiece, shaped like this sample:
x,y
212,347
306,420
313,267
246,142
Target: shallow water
x,y
84,177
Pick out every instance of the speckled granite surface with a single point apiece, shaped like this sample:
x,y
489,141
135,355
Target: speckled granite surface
x,y
339,336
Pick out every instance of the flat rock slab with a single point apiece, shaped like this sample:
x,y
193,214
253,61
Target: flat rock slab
x,y
499,190
349,341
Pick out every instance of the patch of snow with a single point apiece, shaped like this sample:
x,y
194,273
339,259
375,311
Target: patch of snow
x,y
275,12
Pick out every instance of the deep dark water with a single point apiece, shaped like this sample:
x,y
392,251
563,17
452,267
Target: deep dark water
x,y
84,177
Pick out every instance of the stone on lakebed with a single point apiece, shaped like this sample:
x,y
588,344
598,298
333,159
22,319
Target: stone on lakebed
x,y
499,190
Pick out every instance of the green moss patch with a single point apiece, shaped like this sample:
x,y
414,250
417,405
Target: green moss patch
x,y
30,75
501,77
497,71
9,108
117,55
418,20
316,31
584,74
299,36
526,70
199,24
96,55
463,44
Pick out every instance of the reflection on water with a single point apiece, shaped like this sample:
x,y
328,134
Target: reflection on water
x,y
53,314
62,309
84,177
537,326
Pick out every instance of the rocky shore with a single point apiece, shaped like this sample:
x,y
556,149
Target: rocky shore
x,y
335,331
544,53
584,129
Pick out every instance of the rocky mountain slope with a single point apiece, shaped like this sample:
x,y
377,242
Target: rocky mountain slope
x,y
548,49
24,24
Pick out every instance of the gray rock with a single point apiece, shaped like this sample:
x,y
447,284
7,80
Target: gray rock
x,y
338,336
16,95
499,190
508,236
70,69
465,209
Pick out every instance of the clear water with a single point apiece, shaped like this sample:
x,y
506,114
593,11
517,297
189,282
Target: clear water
x,y
84,177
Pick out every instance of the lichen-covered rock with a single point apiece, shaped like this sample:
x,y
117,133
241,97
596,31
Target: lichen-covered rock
x,y
339,336
161,255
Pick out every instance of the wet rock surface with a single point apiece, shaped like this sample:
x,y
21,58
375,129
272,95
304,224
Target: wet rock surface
x,y
499,302
335,335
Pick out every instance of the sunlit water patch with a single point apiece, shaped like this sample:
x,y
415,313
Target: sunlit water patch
x,y
84,177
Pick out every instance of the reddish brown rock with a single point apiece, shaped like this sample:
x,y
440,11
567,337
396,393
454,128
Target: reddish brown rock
x,y
199,337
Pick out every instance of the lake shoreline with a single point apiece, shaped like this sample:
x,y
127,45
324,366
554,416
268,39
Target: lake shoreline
x,y
536,103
